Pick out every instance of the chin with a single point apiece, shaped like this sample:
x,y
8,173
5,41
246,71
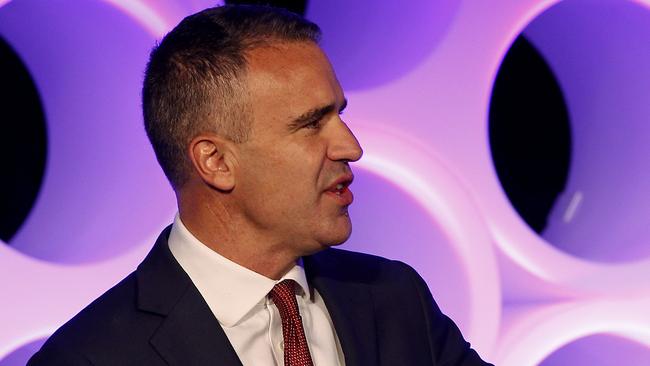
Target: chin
x,y
337,237
337,233
326,243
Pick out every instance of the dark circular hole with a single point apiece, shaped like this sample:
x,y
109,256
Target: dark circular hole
x,y
23,142
296,6
530,136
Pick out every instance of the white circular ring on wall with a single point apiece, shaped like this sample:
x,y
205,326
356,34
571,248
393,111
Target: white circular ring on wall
x,y
39,282
159,17
604,213
415,168
540,257
539,331
102,189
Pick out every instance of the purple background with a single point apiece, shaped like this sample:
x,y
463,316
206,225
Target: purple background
x,y
418,78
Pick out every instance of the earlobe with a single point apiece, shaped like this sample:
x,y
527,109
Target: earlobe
x,y
210,156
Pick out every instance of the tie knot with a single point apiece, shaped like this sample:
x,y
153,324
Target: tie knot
x,y
283,296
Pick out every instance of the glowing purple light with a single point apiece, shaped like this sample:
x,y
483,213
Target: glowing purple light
x,y
143,12
424,130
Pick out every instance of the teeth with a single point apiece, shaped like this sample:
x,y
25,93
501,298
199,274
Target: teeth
x,y
339,187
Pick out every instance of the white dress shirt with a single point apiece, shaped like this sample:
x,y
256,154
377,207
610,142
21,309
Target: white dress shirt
x,y
238,299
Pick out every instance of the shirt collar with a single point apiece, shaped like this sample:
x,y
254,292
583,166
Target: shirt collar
x,y
230,290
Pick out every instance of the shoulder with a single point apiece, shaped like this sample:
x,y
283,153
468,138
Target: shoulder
x,y
106,312
413,323
110,322
362,266
361,261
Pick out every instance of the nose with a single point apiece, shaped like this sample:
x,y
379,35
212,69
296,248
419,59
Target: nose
x,y
344,145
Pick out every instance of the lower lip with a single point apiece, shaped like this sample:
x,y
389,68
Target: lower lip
x,y
344,198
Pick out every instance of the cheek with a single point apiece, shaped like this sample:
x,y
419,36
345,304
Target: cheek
x,y
299,167
273,184
289,175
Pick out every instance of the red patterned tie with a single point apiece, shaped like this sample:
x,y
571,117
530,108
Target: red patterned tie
x,y
296,350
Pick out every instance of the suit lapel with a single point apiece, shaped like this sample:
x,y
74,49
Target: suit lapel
x,y
189,333
351,307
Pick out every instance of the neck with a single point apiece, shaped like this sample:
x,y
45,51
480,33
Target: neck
x,y
215,225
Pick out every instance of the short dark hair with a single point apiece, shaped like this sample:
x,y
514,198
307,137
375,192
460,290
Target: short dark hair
x,y
193,81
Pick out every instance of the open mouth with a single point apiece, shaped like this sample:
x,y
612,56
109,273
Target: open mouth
x,y
340,190
341,185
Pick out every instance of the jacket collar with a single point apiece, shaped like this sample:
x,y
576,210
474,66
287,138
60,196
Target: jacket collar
x,y
218,278
190,334
350,306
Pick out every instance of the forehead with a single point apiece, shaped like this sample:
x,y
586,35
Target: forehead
x,y
287,79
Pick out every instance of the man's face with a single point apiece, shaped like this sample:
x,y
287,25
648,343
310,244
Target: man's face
x,y
297,156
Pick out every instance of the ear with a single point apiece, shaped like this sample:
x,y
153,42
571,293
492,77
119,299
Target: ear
x,y
213,159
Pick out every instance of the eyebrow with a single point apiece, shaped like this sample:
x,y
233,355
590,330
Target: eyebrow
x,y
315,114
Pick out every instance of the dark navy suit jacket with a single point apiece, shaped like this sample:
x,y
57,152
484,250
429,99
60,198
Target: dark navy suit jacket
x,y
382,310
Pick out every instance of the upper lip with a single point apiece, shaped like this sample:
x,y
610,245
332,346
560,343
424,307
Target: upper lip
x,y
345,180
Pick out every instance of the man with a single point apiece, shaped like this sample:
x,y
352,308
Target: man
x,y
243,109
